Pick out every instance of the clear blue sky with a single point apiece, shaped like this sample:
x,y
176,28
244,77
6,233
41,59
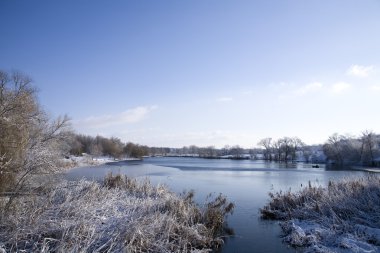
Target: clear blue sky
x,y
174,73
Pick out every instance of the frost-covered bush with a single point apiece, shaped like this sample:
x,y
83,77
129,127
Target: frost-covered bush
x,y
344,215
118,215
30,142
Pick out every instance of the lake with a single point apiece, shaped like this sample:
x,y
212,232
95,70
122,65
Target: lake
x,y
245,182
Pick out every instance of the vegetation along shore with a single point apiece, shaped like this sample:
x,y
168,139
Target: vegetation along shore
x,y
117,215
342,216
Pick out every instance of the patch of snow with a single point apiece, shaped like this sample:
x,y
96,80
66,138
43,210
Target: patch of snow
x,y
357,246
84,160
370,234
319,239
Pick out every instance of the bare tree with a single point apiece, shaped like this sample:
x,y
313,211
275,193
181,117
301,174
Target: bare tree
x,y
210,152
267,144
369,147
135,150
193,149
236,151
341,149
333,148
276,148
286,146
284,149
307,154
298,145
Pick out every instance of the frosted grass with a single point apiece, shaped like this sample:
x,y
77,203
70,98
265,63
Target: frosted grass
x,y
117,215
344,216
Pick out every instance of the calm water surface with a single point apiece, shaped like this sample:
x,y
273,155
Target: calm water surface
x,y
245,182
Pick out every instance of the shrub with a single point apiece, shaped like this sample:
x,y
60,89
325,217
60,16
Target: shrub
x,y
341,214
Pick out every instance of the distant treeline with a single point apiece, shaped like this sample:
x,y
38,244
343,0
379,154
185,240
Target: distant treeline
x,y
349,150
114,147
102,146
283,149
338,149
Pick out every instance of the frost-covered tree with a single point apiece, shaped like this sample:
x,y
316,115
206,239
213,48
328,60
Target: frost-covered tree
x,y
286,146
333,148
342,149
369,147
30,142
266,143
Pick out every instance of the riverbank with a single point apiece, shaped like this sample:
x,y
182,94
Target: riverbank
x,y
117,215
72,162
342,216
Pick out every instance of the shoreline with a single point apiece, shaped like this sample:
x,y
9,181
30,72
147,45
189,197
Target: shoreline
x,y
340,216
75,162
117,214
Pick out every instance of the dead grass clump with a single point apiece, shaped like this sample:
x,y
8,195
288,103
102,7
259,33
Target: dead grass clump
x,y
340,210
214,214
136,188
117,215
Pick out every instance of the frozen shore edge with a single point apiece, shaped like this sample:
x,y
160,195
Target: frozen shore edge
x,y
74,162
342,217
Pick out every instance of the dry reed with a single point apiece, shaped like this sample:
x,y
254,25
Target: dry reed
x,y
118,215
343,215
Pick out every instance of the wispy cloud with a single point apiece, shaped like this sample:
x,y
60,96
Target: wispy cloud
x,y
340,87
375,87
308,88
225,99
130,116
316,89
360,71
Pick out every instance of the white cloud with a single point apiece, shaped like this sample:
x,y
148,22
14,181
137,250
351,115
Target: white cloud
x,y
308,88
225,99
360,71
340,87
375,87
127,117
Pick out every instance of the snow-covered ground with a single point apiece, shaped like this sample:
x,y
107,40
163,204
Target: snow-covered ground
x,y
317,237
87,160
